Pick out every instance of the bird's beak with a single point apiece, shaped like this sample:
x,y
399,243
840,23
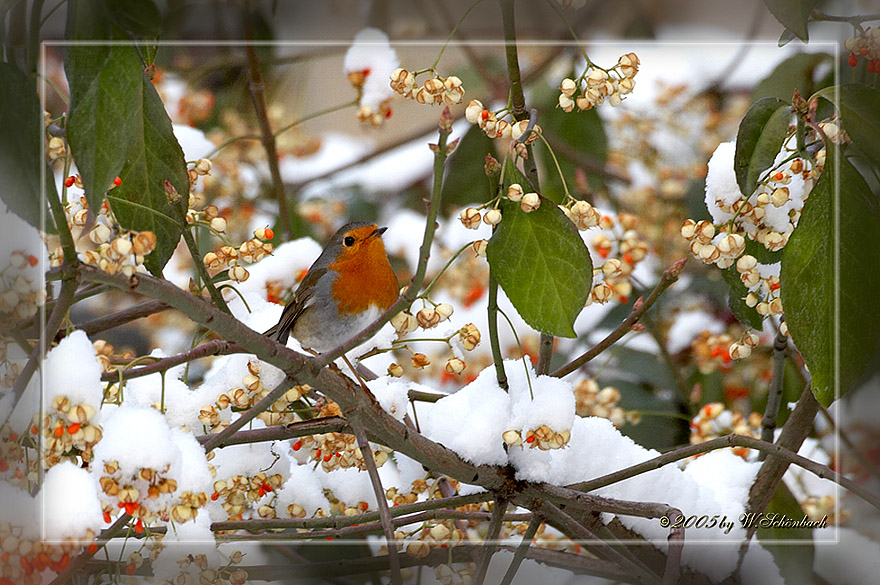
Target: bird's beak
x,y
377,233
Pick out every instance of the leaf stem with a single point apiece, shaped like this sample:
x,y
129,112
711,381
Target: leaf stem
x,y
494,343
202,270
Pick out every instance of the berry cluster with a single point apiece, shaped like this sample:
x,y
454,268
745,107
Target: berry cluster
x,y
714,420
429,317
597,85
434,91
240,492
866,46
113,249
590,400
143,493
543,438
229,257
335,450
67,431
20,295
198,569
251,392
495,125
23,559
622,248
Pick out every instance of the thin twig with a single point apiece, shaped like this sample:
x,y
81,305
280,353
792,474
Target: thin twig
x,y
491,541
213,347
303,428
258,96
670,275
384,513
202,270
494,343
569,526
774,395
584,160
80,561
133,313
521,551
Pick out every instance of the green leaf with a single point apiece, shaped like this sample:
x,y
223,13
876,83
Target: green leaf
x,y
21,118
541,263
746,315
465,180
795,562
859,107
758,141
792,14
813,283
579,134
796,72
154,156
119,127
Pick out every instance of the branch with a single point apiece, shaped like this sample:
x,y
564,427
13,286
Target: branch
x,y
381,426
69,574
774,395
258,96
583,160
569,526
213,347
384,513
491,541
341,521
315,426
133,313
670,275
521,551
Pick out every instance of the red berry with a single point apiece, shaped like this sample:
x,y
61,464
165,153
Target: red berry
x,y
297,446
92,548
214,496
107,518
32,260
484,114
130,569
69,181
853,60
72,429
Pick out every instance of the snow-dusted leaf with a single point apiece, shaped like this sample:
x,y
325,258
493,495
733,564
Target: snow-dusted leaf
x,y
823,270
758,141
542,264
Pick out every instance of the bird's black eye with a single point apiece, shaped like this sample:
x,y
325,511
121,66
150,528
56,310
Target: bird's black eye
x,y
348,241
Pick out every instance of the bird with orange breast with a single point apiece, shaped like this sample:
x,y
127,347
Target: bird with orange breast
x,y
345,289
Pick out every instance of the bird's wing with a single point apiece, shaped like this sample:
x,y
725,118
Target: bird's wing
x,y
301,299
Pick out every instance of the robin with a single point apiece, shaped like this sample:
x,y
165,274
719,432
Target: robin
x,y
346,288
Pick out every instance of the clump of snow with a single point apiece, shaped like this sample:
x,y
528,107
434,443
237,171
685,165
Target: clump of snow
x,y
138,438
371,54
553,403
195,473
70,503
409,470
687,325
304,488
72,369
721,182
393,394
181,403
349,485
480,415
